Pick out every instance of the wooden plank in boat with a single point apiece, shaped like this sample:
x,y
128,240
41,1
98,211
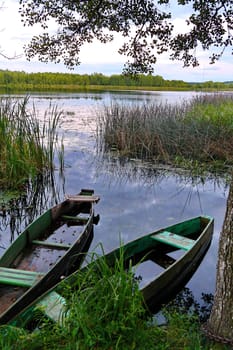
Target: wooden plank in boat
x,y
53,305
51,244
20,278
174,240
83,198
75,218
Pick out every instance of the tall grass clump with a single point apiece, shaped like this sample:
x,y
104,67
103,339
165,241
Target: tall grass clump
x,y
211,118
200,130
109,309
28,146
137,131
105,310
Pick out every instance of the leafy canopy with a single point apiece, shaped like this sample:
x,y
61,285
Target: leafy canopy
x,y
146,26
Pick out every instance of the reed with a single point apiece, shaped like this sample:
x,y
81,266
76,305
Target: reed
x,y
28,146
147,131
187,134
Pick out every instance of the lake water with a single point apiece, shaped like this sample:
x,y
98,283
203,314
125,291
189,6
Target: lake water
x,y
136,198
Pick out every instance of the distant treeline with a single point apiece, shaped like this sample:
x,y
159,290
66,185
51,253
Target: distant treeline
x,y
15,80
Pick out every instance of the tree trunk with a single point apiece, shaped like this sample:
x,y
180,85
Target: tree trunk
x,y
220,323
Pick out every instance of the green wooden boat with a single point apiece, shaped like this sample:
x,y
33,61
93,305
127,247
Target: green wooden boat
x,y
189,240
47,249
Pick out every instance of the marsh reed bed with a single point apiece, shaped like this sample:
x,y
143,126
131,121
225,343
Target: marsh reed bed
x,y
199,131
28,146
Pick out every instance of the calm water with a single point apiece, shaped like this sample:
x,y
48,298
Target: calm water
x,y
136,198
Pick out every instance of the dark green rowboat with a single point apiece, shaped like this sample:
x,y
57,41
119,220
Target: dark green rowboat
x,y
47,249
189,240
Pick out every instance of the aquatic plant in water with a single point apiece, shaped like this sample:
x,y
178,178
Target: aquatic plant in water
x,y
28,146
194,135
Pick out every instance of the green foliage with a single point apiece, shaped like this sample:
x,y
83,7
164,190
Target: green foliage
x,y
21,81
105,311
80,22
145,25
182,331
27,147
196,135
7,196
12,337
214,110
109,309
13,81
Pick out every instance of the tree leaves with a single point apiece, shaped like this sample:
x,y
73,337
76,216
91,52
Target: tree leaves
x,y
146,26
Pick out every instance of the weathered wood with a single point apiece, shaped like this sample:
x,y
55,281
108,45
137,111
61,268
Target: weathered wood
x,y
83,198
20,256
174,240
52,245
79,219
163,286
18,277
53,305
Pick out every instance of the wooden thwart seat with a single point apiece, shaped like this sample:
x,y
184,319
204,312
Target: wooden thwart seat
x,y
174,240
78,219
51,244
83,198
52,305
21,278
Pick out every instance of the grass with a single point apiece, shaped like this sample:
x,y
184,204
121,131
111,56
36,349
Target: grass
x,y
109,310
28,147
195,135
106,312
105,309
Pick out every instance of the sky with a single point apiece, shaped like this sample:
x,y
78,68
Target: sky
x,y
97,57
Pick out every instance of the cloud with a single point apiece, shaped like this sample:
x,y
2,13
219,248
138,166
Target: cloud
x,y
97,52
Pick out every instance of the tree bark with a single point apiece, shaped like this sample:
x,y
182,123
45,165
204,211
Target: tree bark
x,y
220,323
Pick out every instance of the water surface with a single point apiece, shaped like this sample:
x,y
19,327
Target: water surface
x,y
136,198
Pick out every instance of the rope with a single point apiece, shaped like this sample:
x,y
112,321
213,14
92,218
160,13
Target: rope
x,y
205,329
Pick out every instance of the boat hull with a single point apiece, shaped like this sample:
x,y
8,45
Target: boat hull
x,y
67,262
175,277
166,284
197,232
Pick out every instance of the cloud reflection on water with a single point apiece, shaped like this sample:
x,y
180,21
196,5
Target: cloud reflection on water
x,y
136,197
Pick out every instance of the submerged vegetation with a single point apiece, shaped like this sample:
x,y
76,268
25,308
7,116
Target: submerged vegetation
x,y
28,145
106,311
195,135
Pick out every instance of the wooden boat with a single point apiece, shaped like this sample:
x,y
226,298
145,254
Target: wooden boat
x,y
189,240
47,249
